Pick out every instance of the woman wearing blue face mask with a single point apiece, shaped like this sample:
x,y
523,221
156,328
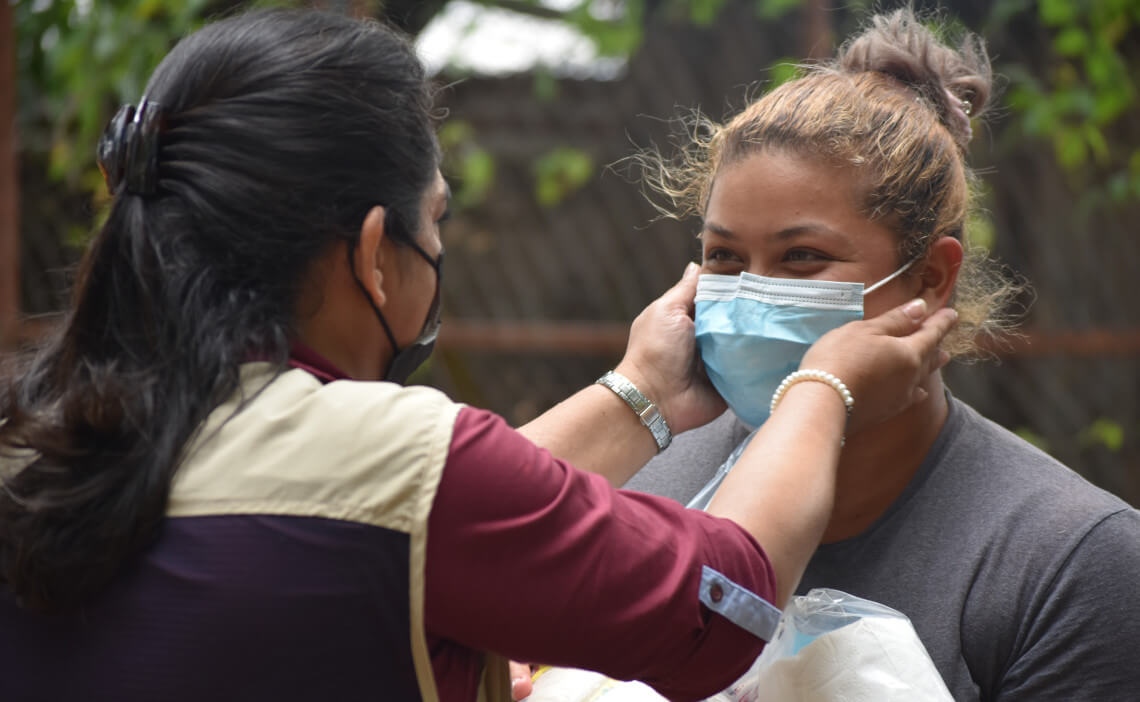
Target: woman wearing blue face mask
x,y
215,485
834,197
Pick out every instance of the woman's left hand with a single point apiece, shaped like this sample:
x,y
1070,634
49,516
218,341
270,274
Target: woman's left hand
x,y
661,358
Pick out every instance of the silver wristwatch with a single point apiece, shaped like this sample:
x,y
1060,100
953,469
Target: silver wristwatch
x,y
646,411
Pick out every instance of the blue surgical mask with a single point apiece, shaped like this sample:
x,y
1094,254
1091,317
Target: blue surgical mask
x,y
753,331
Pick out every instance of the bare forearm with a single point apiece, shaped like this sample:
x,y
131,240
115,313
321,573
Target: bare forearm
x,y
594,430
783,487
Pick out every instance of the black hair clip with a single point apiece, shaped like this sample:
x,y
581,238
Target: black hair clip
x,y
128,150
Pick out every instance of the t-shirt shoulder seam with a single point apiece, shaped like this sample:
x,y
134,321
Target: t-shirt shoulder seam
x,y
1080,542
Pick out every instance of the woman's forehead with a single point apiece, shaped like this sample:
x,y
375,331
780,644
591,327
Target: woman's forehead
x,y
777,183
780,198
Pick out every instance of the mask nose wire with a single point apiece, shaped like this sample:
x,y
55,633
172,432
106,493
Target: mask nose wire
x,y
889,278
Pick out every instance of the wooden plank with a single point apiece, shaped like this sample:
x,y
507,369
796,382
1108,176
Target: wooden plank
x,y
593,338
9,183
609,338
1083,343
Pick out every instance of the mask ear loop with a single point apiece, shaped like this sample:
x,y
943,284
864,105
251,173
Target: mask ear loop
x,y
889,278
351,250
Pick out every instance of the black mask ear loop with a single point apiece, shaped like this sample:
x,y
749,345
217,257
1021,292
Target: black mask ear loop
x,y
351,251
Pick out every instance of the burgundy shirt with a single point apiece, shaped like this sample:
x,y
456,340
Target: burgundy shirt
x,y
527,557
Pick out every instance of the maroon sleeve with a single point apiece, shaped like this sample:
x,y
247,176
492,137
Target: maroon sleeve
x,y
533,559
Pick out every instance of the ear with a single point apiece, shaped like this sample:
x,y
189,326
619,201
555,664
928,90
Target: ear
x,y
939,273
370,254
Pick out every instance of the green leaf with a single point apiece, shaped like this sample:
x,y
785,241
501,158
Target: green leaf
x,y
147,9
1103,432
1072,41
477,176
1104,66
704,12
1072,151
782,71
454,132
1111,104
1056,13
561,172
472,166
1097,143
775,9
980,231
613,37
1074,101
70,84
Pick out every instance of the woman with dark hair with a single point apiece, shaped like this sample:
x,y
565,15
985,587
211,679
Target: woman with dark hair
x,y
216,486
1014,570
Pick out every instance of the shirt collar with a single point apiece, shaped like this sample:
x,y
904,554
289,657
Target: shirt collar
x,y
308,360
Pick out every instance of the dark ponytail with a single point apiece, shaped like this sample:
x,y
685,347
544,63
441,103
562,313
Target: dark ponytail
x,y
272,135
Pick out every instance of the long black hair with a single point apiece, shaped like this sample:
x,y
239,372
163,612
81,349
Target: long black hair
x,y
274,133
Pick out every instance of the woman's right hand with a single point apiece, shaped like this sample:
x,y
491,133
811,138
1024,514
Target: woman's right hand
x,y
884,361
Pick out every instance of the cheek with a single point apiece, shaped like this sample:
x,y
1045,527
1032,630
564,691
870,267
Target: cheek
x,y
884,300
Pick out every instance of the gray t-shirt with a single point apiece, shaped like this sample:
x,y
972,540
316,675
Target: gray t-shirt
x,y
1021,578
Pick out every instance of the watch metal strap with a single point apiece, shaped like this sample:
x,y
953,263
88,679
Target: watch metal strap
x,y
645,410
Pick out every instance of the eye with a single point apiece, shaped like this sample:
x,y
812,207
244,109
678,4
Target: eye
x,y
719,259
718,255
806,256
444,217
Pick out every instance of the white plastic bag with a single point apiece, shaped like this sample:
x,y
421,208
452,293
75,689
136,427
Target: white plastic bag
x,y
835,647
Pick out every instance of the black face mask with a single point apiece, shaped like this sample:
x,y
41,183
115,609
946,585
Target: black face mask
x,y
406,360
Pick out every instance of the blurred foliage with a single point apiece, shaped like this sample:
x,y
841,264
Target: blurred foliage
x,y
469,167
1073,101
559,173
782,71
1104,432
775,9
78,61
1072,69
1084,90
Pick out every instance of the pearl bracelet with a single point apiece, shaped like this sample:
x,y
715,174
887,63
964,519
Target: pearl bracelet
x,y
818,376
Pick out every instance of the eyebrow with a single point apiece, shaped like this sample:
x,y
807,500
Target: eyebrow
x,y
784,234
718,229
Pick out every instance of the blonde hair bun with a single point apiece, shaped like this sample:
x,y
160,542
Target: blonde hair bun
x,y
955,83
